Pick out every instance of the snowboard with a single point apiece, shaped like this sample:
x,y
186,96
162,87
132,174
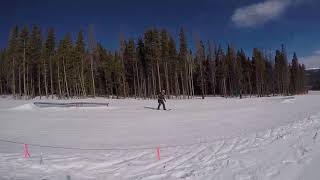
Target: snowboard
x,y
152,108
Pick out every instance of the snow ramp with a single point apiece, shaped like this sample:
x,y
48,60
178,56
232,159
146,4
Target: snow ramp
x,y
66,105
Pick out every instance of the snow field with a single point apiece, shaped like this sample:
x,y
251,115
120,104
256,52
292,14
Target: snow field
x,y
265,138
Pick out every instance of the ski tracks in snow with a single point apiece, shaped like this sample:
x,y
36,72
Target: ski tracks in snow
x,y
264,155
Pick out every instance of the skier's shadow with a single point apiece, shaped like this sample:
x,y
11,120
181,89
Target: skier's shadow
x,y
153,108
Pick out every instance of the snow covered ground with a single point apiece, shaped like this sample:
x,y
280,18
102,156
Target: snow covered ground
x,y
215,138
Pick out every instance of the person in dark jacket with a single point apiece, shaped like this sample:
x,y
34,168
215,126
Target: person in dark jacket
x,y
161,100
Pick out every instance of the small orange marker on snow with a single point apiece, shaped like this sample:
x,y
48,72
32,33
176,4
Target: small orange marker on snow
x,y
26,151
158,153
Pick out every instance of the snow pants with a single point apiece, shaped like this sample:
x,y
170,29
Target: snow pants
x,y
161,102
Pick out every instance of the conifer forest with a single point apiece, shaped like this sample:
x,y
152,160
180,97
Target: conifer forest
x,y
36,63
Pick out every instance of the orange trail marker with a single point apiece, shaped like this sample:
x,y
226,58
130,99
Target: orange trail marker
x,y
26,151
158,153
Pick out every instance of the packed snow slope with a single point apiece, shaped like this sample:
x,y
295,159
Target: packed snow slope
x,y
215,138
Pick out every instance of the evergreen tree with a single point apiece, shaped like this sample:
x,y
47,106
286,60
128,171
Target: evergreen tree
x,y
183,55
80,57
239,72
294,74
34,61
24,37
50,52
12,55
200,60
31,67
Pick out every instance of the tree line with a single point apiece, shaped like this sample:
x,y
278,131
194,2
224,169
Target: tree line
x,y
37,64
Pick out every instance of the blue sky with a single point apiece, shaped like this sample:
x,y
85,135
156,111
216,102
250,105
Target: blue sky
x,y
246,24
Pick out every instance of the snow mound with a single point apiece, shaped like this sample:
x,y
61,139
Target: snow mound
x,y
24,107
288,100
66,105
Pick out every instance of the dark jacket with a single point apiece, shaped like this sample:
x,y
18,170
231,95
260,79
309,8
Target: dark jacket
x,y
161,97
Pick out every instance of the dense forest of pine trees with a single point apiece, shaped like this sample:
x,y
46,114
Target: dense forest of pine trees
x,y
37,65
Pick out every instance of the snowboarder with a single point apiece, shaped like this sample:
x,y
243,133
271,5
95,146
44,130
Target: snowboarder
x,y
161,100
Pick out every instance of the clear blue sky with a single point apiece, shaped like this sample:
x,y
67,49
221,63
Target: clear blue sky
x,y
246,23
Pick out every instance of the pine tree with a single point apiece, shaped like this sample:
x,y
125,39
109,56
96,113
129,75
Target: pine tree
x,y
259,64
92,49
34,61
130,62
12,54
2,72
80,58
150,44
165,59
143,68
221,72
24,37
230,65
183,55
294,74
239,72
285,71
211,69
200,60
122,69
140,70
50,52
173,60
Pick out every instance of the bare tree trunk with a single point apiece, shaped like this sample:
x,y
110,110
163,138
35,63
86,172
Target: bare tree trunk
x,y
138,80
182,84
45,77
250,86
65,76
76,90
134,87
124,85
186,77
82,77
7,79
1,88
106,84
213,80
191,80
176,83
224,87
167,79
32,85
145,87
123,78
13,78
159,79
39,80
117,87
149,89
81,92
51,76
153,83
24,69
27,82
92,76
202,82
59,80
19,80
230,87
